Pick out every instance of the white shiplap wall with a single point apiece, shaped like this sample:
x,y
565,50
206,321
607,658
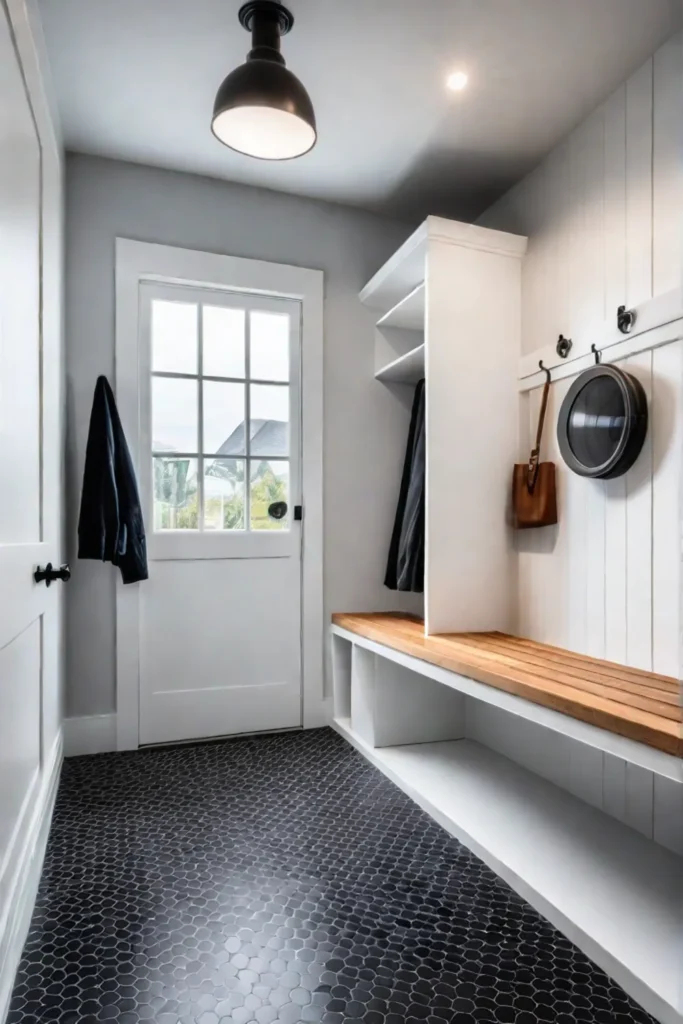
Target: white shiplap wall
x,y
604,215
651,804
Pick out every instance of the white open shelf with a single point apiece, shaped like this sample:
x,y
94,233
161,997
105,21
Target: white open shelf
x,y
409,313
615,894
404,273
400,275
407,369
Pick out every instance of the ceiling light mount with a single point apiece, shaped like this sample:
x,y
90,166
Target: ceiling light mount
x,y
255,13
261,108
457,80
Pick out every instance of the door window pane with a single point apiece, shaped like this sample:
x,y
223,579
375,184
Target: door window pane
x,y
174,415
224,492
223,338
269,346
176,498
174,337
223,418
269,484
269,429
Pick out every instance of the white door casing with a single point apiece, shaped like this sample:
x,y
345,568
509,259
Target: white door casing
x,y
168,690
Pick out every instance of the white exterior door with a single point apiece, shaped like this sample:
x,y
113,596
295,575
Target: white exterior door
x,y
220,478
30,448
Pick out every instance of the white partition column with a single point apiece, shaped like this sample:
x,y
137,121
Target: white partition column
x,y
449,309
472,335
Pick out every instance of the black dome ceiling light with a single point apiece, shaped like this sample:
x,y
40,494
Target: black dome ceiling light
x,y
261,108
602,424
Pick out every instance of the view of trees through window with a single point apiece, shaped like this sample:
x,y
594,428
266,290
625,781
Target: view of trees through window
x,y
176,495
220,416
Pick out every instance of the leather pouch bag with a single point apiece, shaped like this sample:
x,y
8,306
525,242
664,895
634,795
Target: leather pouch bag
x,y
534,495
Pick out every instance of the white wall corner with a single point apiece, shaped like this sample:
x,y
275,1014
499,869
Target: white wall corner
x,y
91,734
318,713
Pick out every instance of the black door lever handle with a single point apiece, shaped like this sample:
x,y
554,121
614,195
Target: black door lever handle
x,y
48,574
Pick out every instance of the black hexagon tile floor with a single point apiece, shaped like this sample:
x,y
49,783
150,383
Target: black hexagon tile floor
x,y
281,879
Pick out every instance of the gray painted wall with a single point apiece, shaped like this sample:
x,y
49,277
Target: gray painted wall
x,y
365,423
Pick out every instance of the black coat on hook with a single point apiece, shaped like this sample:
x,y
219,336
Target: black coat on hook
x,y
405,564
110,526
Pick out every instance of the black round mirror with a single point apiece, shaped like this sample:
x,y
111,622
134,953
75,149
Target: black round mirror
x,y
602,423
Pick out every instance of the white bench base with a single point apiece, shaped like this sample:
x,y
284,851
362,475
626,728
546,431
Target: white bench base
x,y
615,893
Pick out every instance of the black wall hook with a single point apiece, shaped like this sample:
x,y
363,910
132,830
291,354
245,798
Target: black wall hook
x,y
545,370
596,353
625,319
563,347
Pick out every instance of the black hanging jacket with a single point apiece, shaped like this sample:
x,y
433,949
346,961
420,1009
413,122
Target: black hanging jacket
x,y
110,526
405,565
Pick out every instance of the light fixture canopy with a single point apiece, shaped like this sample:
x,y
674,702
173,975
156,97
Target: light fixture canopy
x,y
261,108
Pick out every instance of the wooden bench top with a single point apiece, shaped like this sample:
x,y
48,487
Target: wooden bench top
x,y
642,706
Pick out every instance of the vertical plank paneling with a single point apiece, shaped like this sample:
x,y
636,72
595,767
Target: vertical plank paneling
x,y
639,799
615,294
615,199
604,214
575,529
666,413
639,185
587,217
548,755
586,774
667,167
555,231
595,568
573,227
556,560
639,535
614,787
533,199
545,557
523,586
668,813
615,569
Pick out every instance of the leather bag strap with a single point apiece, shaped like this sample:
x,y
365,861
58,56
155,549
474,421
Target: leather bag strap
x,y
534,458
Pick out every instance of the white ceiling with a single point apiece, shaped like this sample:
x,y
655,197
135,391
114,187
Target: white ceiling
x,y
136,79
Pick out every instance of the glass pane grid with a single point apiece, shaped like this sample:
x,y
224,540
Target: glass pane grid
x,y
220,419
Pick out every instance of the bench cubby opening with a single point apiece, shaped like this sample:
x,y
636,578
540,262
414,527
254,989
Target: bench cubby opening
x,y
391,705
341,676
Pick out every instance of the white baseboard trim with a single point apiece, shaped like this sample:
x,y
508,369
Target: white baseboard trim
x,y
92,734
25,865
96,734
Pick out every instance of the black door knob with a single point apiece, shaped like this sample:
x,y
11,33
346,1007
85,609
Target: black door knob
x,y
48,574
277,510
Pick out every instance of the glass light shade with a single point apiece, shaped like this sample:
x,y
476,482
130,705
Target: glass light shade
x,y
264,111
263,132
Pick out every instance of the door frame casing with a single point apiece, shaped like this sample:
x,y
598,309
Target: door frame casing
x,y
138,262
